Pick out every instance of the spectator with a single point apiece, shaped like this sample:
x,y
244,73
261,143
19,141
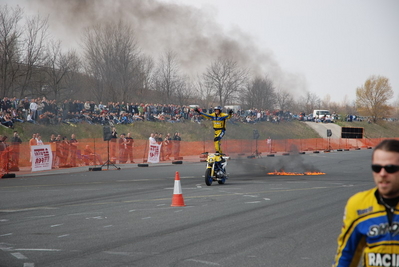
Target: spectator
x,y
33,109
129,147
167,144
176,145
39,140
73,149
33,140
152,139
122,148
64,148
58,151
89,155
7,121
15,142
53,146
160,142
4,153
113,144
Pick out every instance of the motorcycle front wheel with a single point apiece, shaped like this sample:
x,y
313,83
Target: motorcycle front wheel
x,y
208,177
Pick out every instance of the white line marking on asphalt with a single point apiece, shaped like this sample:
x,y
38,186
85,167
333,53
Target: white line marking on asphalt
x,y
19,256
43,216
36,249
204,262
56,225
80,189
131,210
29,209
253,202
118,253
279,188
250,196
83,213
61,236
4,220
146,218
6,234
266,198
29,264
5,248
98,218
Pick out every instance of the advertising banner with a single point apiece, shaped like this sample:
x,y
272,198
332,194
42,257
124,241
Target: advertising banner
x,y
41,157
153,153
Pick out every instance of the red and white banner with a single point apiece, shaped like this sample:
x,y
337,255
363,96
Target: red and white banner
x,y
41,157
153,153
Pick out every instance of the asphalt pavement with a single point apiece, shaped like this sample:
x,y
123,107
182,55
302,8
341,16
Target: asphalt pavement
x,y
77,217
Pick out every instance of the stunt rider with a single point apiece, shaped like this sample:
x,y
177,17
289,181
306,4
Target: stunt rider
x,y
219,124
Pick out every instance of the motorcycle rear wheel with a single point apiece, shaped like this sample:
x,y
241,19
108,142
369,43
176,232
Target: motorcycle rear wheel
x,y
208,177
222,181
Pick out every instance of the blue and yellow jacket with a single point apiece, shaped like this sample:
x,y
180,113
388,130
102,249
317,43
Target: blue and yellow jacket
x,y
367,233
219,121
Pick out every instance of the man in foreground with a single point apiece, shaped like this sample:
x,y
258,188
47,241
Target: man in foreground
x,y
371,221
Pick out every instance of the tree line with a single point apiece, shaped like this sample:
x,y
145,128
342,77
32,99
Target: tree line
x,y
111,67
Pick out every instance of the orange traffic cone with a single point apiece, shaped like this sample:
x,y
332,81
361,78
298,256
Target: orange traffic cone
x,y
177,199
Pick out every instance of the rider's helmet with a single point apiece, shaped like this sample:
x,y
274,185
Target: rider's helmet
x,y
218,107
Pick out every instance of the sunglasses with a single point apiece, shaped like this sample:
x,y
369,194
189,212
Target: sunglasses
x,y
388,168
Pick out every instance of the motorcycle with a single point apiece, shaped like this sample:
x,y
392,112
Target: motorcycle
x,y
215,168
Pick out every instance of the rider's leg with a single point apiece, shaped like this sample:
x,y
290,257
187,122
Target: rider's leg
x,y
218,136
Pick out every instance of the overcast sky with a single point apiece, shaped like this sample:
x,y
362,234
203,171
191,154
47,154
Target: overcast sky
x,y
333,45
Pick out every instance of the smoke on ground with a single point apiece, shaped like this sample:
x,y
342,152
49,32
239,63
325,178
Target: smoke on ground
x,y
293,162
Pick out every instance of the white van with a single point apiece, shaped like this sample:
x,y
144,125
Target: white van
x,y
318,114
235,108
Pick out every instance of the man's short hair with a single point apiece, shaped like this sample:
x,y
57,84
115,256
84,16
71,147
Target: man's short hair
x,y
389,145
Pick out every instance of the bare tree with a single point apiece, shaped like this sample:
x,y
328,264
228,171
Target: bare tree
x,y
168,79
33,56
260,93
184,91
309,102
372,97
226,79
145,75
284,100
9,49
204,92
62,69
112,58
326,101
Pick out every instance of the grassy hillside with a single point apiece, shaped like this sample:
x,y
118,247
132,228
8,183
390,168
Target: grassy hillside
x,y
191,131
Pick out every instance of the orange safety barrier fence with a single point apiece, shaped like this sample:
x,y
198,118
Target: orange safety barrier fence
x,y
90,152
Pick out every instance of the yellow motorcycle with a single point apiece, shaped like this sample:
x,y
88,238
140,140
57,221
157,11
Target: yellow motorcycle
x,y
215,168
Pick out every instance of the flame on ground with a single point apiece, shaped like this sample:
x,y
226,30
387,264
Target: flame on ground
x,y
282,172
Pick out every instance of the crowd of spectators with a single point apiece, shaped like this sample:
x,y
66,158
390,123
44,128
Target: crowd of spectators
x,y
49,112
